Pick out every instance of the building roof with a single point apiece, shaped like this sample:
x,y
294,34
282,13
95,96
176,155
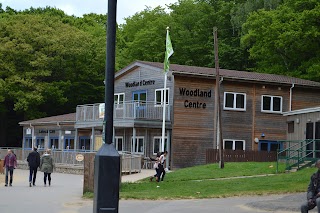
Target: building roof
x,y
59,119
226,74
302,111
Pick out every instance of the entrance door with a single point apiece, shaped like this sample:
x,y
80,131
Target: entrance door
x,y
140,100
317,137
309,135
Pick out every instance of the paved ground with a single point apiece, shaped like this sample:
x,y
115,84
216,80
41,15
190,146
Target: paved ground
x,y
64,196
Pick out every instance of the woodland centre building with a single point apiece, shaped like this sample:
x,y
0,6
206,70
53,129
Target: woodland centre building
x,y
252,107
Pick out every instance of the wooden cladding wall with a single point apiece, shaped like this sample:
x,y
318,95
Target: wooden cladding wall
x,y
305,98
212,156
193,130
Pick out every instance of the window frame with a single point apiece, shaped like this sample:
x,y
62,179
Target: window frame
x,y
271,104
290,127
50,142
160,143
117,103
269,143
234,144
28,140
116,143
158,104
134,143
235,101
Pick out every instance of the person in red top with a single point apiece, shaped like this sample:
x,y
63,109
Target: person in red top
x,y
10,163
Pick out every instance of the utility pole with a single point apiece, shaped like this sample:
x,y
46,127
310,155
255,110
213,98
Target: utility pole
x,y
218,133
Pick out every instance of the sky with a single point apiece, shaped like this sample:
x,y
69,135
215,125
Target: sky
x,y
125,8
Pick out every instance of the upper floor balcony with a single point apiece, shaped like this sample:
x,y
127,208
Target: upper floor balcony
x,y
132,110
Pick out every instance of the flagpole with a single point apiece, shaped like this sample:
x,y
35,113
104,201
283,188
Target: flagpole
x,y
168,53
164,112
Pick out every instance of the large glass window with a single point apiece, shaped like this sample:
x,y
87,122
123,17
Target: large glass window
x,y
269,146
138,145
157,144
54,143
159,96
271,104
119,100
40,142
119,143
69,143
28,143
234,144
234,101
84,143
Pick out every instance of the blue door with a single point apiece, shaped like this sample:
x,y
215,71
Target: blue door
x,y
140,100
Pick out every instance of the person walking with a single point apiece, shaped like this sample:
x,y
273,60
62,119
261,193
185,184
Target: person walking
x,y
34,162
47,166
10,163
313,193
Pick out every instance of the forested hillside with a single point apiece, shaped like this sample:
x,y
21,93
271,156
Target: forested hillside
x,y
51,62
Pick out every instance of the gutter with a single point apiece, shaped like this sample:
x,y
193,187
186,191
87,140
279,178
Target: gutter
x,y
290,102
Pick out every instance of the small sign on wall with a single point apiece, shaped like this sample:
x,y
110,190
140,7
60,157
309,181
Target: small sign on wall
x,y
67,132
28,131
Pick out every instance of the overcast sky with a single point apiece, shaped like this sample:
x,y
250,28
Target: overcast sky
x,y
125,8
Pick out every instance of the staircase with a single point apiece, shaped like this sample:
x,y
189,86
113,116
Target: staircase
x,y
298,154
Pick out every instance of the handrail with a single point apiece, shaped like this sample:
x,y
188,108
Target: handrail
x,y
297,153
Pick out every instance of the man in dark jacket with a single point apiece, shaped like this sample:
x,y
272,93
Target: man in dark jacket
x,y
34,162
313,194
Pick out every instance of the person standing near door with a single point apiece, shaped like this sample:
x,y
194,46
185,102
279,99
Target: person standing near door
x,y
10,163
34,162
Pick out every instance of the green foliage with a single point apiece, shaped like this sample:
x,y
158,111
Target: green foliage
x,y
285,41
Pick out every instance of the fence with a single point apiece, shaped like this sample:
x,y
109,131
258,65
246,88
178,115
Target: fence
x,y
59,156
129,164
212,156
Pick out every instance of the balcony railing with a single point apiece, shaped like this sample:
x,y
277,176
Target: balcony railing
x,y
126,110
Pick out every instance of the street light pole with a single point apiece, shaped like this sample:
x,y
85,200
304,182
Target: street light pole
x,y
107,159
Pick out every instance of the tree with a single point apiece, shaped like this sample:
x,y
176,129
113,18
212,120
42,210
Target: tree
x,y
285,40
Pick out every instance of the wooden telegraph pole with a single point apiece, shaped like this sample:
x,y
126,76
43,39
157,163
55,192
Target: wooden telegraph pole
x,y
218,133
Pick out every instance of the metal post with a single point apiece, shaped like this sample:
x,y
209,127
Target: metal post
x,y
107,159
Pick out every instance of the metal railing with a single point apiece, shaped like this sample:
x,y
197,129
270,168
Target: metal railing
x,y
126,110
131,163
297,152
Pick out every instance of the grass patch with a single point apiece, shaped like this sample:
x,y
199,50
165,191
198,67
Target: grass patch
x,y
200,182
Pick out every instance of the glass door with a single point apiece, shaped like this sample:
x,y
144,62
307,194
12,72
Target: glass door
x,y
140,100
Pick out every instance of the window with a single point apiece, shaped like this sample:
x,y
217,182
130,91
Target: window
x,y
159,96
138,145
291,127
28,143
269,146
119,100
69,143
157,144
271,104
40,142
84,143
54,143
234,101
118,143
234,144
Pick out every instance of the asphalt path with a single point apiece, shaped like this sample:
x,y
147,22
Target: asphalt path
x,y
65,196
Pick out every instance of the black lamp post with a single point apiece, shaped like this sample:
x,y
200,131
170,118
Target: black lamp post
x,y
107,159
